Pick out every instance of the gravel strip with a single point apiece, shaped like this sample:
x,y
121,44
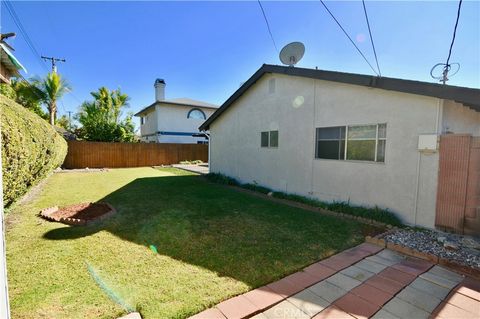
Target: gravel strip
x,y
465,250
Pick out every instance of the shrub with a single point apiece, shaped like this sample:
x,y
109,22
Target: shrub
x,y
222,179
373,213
31,149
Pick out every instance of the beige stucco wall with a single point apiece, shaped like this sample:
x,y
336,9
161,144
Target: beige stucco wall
x,y
173,118
406,183
459,119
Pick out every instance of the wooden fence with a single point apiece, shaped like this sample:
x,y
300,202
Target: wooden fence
x,y
458,193
83,154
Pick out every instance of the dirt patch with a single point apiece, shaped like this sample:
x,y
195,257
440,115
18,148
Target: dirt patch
x,y
78,214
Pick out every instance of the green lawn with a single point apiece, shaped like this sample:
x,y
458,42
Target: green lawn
x,y
213,243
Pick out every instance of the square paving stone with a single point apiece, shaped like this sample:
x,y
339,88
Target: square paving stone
x,y
263,297
259,316
419,299
380,260
403,309
430,288
397,275
284,288
345,282
357,273
445,273
327,291
391,255
413,266
382,314
333,312
372,249
372,294
449,311
385,284
302,279
470,288
464,302
285,310
319,271
212,313
370,266
308,302
339,262
356,306
237,307
441,281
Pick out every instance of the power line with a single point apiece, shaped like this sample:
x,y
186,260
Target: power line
x,y
24,33
268,25
454,32
345,32
371,38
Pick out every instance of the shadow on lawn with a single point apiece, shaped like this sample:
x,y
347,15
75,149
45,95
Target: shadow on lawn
x,y
232,233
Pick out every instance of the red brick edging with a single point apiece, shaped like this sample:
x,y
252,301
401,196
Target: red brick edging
x,y
47,213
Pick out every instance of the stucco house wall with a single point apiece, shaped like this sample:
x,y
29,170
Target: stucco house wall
x,y
173,119
406,182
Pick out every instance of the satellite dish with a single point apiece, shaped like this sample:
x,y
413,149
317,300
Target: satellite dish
x,y
292,53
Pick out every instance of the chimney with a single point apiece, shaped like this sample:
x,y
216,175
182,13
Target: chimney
x,y
159,89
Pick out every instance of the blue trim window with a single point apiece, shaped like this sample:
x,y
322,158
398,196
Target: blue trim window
x,y
196,114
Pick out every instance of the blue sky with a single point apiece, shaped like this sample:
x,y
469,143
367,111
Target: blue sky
x,y
204,50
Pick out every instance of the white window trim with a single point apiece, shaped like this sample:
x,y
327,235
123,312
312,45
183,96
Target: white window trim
x,y
346,143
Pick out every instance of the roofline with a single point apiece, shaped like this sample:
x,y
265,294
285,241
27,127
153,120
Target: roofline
x,y
470,97
172,103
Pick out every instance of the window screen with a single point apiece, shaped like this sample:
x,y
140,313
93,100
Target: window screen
x,y
273,138
330,143
264,139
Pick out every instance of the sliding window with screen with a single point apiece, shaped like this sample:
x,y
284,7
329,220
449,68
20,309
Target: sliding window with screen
x,y
354,142
269,139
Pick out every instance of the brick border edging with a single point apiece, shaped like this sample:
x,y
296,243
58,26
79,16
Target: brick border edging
x,y
311,208
457,267
46,213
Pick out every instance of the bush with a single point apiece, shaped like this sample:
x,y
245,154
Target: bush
x,y
373,213
31,149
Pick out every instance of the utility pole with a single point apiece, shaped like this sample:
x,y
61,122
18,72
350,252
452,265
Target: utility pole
x,y
54,61
69,120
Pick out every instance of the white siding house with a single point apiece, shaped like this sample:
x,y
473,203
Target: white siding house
x,y
341,137
174,120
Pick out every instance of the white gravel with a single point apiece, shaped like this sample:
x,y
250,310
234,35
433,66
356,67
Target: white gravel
x,y
467,250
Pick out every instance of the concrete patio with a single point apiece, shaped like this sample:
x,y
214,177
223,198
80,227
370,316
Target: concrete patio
x,y
363,282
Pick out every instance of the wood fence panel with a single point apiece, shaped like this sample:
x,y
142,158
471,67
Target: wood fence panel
x,y
458,193
83,154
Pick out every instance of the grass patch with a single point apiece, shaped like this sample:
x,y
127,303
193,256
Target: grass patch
x,y
374,213
212,242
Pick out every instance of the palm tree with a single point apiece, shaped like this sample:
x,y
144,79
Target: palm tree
x,y
51,89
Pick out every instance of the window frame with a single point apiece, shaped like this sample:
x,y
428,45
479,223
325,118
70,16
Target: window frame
x,y
269,143
196,109
377,139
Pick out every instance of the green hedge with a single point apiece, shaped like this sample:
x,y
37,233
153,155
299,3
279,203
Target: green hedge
x,y
31,149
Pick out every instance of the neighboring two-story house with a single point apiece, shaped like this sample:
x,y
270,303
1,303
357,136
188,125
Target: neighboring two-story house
x,y
175,120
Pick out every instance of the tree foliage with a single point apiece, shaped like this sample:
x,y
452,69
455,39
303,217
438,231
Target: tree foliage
x,y
49,90
101,118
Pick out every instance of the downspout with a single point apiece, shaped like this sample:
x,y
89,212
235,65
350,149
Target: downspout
x,y
417,183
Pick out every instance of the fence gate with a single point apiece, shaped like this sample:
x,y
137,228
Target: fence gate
x,y
458,193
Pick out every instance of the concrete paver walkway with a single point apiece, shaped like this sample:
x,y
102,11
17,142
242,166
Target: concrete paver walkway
x,y
200,169
363,282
